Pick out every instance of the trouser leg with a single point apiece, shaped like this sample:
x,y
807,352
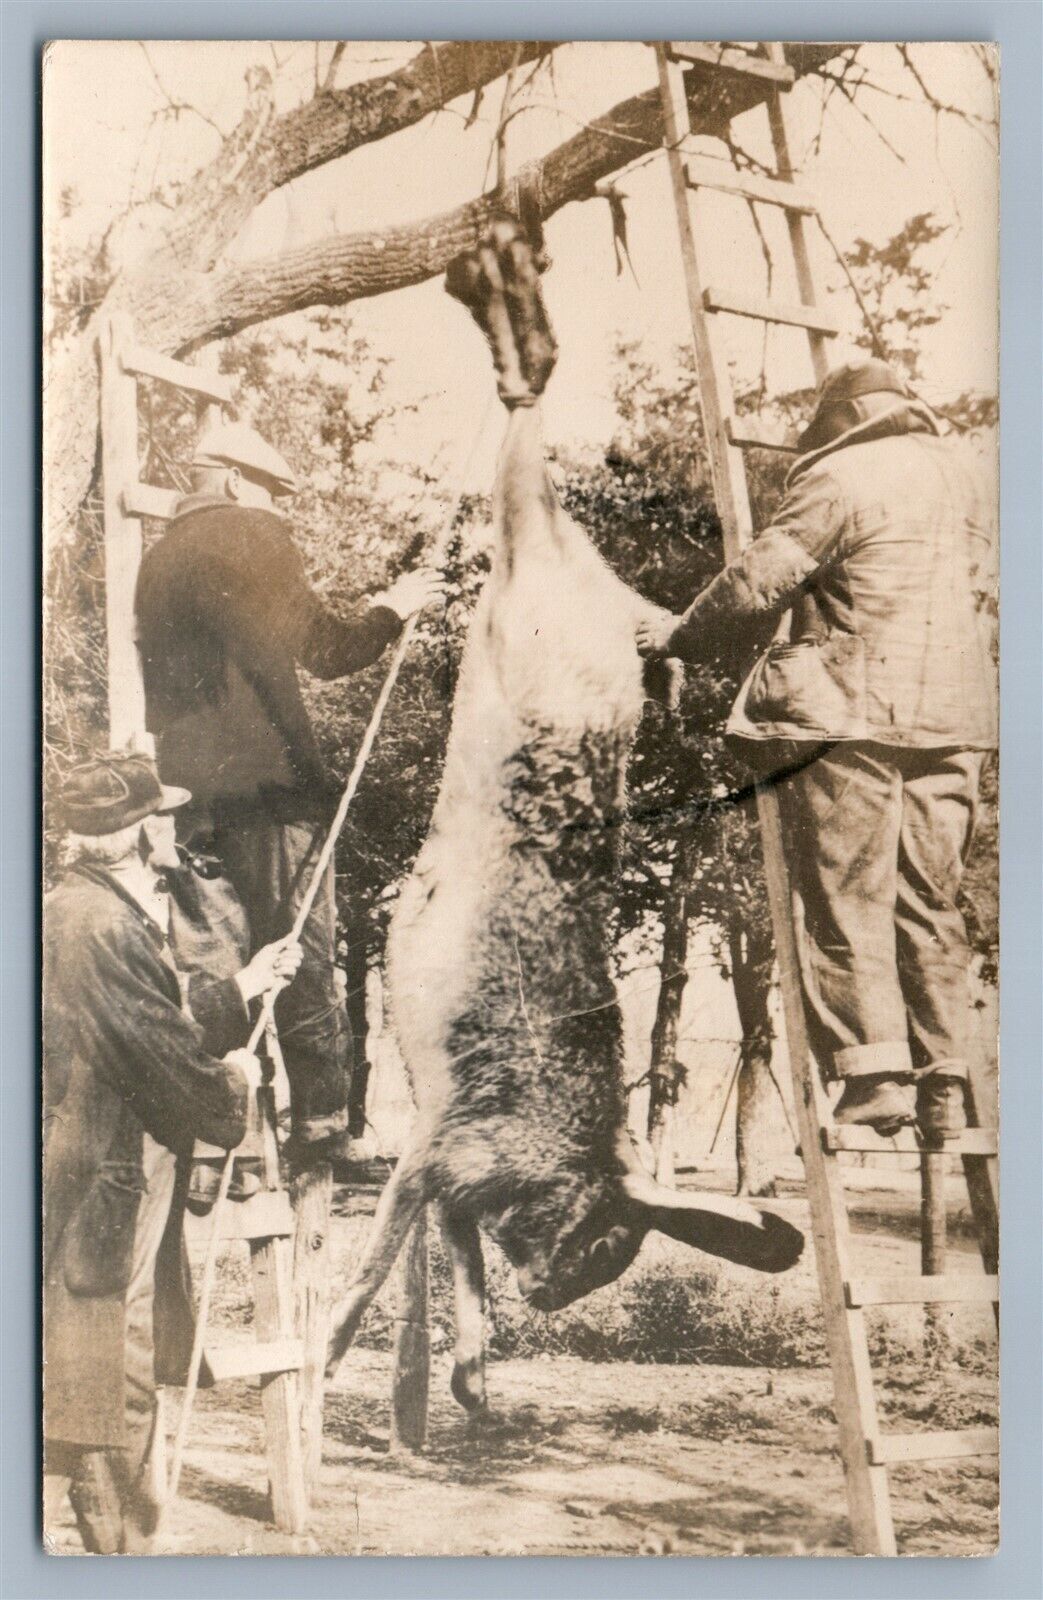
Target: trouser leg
x,y
271,864
140,1508
97,1500
109,1488
842,817
56,1486
60,1466
939,807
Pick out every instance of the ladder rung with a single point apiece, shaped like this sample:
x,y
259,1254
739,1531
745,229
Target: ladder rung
x,y
703,173
962,1287
971,1142
746,433
146,500
738,61
267,1215
200,380
751,305
255,1360
945,1445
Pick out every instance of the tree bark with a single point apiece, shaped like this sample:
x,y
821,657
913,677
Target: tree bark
x,y
179,299
757,1102
665,1072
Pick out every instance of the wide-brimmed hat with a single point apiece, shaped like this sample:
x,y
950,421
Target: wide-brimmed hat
x,y
850,387
113,790
236,444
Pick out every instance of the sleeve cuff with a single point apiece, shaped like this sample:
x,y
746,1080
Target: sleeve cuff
x,y
389,620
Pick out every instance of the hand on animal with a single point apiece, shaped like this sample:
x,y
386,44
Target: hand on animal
x,y
653,634
413,591
273,967
250,1067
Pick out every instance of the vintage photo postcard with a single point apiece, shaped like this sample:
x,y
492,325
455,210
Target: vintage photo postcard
x,y
520,839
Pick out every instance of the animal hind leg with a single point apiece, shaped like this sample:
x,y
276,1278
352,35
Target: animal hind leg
x,y
499,283
463,1246
399,1203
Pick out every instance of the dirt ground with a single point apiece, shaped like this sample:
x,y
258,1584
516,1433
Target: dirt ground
x,y
606,1458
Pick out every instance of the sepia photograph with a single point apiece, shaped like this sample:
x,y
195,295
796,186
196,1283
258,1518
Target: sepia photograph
x,y
520,861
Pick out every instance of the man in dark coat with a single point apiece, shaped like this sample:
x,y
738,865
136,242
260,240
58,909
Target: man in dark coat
x,y
882,695
225,617
135,1070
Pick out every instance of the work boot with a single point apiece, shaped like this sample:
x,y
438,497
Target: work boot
x,y
876,1102
941,1110
350,1158
206,1180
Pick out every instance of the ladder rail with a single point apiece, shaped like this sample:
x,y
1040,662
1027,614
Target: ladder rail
x,y
865,1452
276,1355
845,1326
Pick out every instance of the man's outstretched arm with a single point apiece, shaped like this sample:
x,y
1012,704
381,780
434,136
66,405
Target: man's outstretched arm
x,y
764,579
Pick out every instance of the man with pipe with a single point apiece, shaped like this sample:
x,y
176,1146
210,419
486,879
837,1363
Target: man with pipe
x,y
226,616
874,713
138,1064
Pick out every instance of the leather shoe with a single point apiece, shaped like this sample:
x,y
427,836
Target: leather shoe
x,y
940,1107
206,1180
875,1102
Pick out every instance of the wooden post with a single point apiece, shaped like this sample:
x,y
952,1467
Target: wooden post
x,y
412,1344
280,1395
119,469
312,1204
209,412
933,1230
157,1456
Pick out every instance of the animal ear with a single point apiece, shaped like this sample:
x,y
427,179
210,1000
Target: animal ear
x,y
717,1224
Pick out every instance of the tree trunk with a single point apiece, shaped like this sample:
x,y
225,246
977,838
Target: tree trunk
x,y
757,1104
665,1072
355,970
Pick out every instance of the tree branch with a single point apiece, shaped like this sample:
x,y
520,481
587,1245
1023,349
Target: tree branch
x,y
216,203
179,300
356,266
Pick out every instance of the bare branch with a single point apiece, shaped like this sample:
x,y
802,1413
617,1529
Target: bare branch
x,y
172,107
356,266
331,71
265,152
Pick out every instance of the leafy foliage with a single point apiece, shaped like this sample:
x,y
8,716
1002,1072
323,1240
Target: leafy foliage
x,y
897,284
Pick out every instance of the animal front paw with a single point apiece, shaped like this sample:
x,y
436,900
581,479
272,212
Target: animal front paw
x,y
499,282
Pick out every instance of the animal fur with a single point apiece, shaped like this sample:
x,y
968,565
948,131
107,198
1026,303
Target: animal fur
x,y
499,957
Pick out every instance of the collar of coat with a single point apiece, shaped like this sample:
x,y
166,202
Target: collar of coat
x,y
905,416
216,502
95,873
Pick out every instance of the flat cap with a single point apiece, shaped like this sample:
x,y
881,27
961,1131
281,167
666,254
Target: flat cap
x,y
853,381
111,791
236,444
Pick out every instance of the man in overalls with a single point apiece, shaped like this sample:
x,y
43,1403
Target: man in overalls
x,y
226,616
883,695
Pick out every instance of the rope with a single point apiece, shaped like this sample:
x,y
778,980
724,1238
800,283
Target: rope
x,y
308,900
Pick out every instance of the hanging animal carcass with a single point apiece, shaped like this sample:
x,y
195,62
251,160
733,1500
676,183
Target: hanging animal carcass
x,y
499,959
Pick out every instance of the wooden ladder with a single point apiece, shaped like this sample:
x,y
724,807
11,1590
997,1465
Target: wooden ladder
x,y
288,1243
866,1452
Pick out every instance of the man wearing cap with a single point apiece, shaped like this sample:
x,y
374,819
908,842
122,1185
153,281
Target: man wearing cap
x,y
135,1070
878,696
225,617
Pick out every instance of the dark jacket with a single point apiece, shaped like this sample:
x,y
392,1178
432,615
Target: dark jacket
x,y
225,615
121,1058
882,546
